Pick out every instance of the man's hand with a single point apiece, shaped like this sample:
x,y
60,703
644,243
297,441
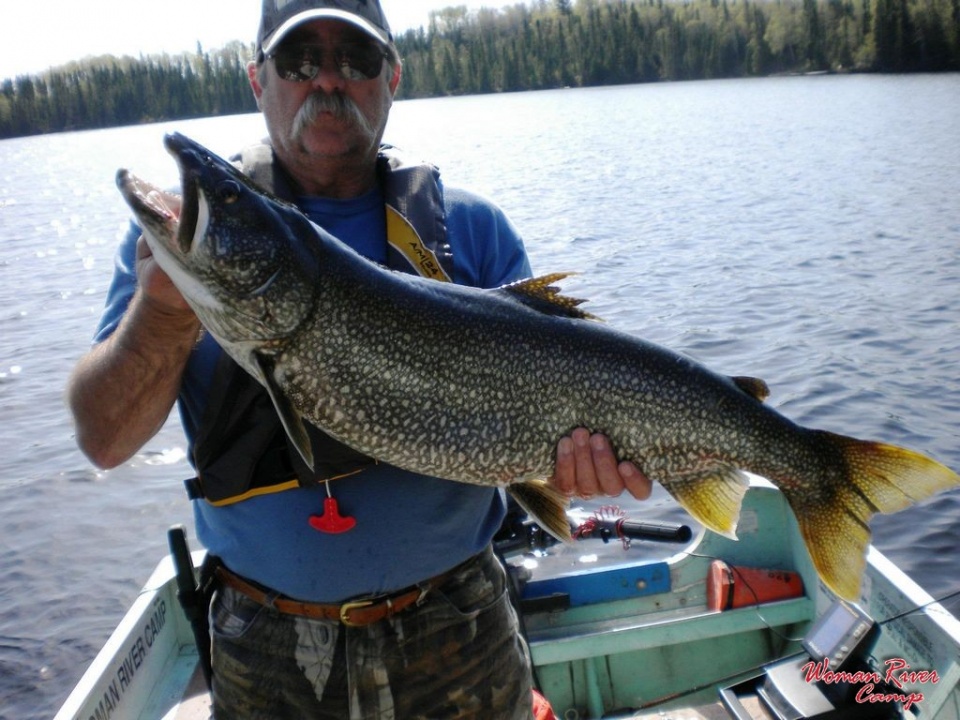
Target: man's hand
x,y
156,286
586,466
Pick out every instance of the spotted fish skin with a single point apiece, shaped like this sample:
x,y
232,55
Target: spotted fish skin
x,y
478,386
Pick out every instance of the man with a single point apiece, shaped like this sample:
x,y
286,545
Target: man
x,y
388,602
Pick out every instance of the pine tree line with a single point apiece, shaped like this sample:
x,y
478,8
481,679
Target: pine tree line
x,y
109,92
525,47
602,42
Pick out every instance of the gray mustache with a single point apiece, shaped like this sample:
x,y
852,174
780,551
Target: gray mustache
x,y
340,106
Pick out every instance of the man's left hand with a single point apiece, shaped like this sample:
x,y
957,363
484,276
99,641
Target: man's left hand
x,y
586,466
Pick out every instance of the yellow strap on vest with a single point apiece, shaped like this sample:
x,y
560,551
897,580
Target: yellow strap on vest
x,y
404,239
269,489
256,492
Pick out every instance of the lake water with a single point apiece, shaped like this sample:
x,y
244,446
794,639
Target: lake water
x,y
802,230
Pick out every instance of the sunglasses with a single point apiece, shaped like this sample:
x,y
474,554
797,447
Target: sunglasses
x,y
355,61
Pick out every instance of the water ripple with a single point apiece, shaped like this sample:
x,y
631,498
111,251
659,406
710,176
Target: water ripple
x,y
802,230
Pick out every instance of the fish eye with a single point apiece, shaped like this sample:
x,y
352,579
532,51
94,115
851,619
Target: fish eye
x,y
228,192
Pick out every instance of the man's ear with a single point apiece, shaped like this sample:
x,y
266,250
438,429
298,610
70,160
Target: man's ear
x,y
254,81
395,79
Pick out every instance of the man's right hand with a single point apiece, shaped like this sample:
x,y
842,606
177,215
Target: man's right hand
x,y
154,283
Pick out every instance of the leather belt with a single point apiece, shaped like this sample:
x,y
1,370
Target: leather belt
x,y
354,613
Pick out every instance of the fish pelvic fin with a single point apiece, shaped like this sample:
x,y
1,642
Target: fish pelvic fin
x,y
542,295
712,495
545,505
874,478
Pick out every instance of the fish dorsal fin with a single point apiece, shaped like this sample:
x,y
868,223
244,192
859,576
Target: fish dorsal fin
x,y
540,294
754,387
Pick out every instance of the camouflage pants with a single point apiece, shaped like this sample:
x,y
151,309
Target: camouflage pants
x,y
455,657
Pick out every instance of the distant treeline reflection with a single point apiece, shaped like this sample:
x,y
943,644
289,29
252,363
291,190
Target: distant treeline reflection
x,y
524,47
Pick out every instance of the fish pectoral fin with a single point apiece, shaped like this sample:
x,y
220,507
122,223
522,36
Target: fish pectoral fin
x,y
290,418
712,495
754,387
545,505
873,477
540,294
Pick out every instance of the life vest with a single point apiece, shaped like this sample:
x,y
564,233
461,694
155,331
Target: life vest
x,y
241,449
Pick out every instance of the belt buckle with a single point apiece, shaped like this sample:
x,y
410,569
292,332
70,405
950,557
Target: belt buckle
x,y
354,605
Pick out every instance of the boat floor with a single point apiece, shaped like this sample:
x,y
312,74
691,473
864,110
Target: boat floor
x,y
195,705
715,711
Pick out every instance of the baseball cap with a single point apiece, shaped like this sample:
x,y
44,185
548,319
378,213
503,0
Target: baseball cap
x,y
279,17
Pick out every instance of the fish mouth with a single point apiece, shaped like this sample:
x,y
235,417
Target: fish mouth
x,y
191,158
170,216
155,209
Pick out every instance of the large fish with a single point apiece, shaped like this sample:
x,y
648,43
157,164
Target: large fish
x,y
478,386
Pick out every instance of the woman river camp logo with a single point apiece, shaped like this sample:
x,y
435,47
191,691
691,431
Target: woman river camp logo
x,y
898,683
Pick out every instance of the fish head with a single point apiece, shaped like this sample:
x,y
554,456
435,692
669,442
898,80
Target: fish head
x,y
236,253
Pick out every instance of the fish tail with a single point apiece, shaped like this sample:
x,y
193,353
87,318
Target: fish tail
x,y
545,505
870,478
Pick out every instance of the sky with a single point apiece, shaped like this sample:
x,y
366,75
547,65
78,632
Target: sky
x,y
40,35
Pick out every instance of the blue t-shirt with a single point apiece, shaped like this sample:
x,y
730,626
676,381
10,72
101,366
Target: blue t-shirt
x,y
409,527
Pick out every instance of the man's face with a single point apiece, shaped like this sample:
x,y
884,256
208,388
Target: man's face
x,y
319,123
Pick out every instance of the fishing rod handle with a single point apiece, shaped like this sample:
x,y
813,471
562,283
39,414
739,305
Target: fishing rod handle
x,y
662,532
182,561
